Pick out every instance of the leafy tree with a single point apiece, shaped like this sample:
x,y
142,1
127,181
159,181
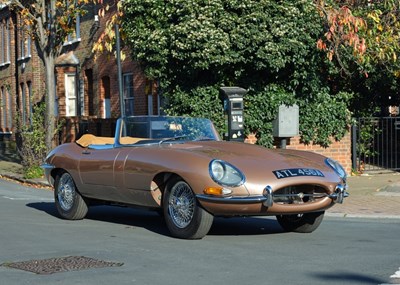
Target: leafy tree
x,y
362,40
361,33
268,47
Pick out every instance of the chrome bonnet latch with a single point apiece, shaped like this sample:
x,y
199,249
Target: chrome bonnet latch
x,y
340,194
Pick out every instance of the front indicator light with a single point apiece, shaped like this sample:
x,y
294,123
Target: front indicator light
x,y
217,191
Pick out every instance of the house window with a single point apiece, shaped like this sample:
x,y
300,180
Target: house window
x,y
6,111
24,46
75,36
23,103
3,109
128,93
106,90
30,100
5,42
9,109
70,95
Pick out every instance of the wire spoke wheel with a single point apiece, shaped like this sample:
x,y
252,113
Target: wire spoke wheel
x,y
69,202
181,204
184,217
66,192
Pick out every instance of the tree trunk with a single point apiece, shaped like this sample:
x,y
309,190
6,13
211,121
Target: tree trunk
x,y
49,63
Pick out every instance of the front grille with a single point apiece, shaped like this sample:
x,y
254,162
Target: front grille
x,y
299,194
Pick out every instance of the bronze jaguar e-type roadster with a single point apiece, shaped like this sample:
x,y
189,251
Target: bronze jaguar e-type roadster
x,y
182,168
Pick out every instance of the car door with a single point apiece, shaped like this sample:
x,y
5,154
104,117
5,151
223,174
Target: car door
x,y
96,168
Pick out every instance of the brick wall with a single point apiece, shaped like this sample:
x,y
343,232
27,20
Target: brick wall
x,y
338,150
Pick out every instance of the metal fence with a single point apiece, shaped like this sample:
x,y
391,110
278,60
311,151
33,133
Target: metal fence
x,y
375,144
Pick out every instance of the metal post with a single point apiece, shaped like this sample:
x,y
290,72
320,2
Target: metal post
x,y
283,143
354,147
118,51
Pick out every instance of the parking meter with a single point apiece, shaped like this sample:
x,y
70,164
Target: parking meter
x,y
233,107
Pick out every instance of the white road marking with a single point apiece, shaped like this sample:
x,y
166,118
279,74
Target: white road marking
x,y
26,198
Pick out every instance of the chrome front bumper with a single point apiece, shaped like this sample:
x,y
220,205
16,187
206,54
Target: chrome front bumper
x,y
47,168
267,199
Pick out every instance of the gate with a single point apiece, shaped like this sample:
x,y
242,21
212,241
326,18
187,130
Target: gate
x,y
375,143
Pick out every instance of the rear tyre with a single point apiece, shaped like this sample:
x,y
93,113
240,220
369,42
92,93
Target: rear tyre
x,y
184,217
69,203
301,223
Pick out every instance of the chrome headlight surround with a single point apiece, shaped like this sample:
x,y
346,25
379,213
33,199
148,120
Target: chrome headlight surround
x,y
337,167
225,173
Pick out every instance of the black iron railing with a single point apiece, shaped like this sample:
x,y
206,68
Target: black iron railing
x,y
376,144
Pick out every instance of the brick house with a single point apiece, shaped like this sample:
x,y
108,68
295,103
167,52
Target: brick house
x,y
87,88
20,74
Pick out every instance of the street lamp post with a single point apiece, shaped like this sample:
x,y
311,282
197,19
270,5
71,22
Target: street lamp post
x,y
118,51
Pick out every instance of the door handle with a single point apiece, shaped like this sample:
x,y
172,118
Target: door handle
x,y
86,151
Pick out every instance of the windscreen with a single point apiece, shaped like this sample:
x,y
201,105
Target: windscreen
x,y
155,127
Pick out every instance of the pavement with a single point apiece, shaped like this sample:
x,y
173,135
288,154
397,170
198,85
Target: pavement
x,y
372,195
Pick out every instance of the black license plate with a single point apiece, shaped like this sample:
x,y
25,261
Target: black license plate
x,y
295,172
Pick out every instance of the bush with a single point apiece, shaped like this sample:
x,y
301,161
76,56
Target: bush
x,y
32,143
268,47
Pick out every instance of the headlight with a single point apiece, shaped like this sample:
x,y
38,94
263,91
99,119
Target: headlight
x,y
336,167
225,174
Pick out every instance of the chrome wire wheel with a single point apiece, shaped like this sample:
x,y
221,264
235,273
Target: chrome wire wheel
x,y
181,204
66,192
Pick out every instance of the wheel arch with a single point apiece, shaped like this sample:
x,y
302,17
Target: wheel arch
x,y
159,184
54,173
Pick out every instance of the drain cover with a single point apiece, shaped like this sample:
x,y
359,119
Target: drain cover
x,y
62,264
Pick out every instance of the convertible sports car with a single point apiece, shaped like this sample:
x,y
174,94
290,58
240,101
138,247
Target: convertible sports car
x,y
181,167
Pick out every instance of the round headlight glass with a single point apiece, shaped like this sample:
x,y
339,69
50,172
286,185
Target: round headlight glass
x,y
217,170
337,167
225,174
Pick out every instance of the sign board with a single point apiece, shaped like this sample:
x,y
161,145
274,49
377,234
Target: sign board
x,y
286,124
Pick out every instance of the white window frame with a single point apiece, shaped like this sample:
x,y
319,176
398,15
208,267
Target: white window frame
x,y
25,47
76,37
23,102
5,43
129,94
3,109
30,101
71,96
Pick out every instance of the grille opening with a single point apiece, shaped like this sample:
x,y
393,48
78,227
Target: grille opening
x,y
299,194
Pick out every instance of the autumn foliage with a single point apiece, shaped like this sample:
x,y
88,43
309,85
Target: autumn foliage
x,y
369,30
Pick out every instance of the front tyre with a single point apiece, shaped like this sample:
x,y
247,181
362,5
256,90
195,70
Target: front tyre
x,y
184,217
69,203
301,223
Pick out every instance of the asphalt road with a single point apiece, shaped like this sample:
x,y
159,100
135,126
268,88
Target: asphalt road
x,y
237,251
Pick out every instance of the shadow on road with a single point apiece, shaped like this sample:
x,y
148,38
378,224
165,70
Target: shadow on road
x,y
348,278
152,221
46,207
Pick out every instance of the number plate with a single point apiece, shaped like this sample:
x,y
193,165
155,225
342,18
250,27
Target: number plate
x,y
294,172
